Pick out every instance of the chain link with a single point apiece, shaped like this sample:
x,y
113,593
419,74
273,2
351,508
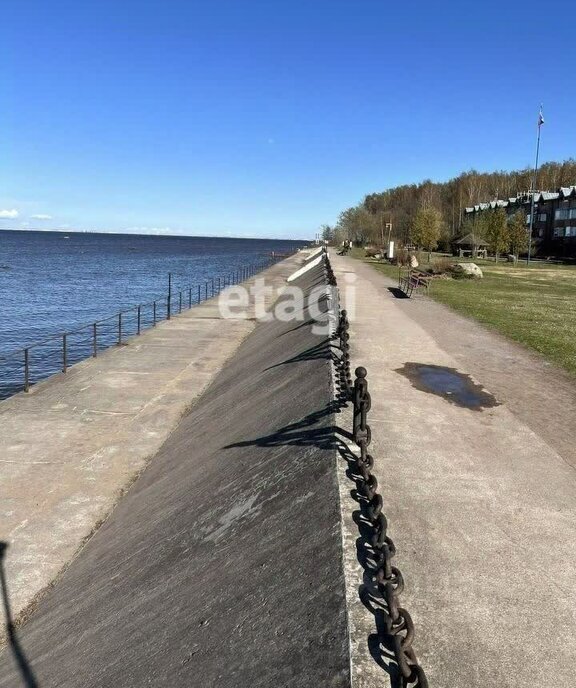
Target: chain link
x,y
388,578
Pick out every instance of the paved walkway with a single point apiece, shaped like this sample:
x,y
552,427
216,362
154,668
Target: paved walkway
x,y
481,504
72,446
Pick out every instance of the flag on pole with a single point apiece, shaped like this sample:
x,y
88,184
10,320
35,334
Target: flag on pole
x,y
540,118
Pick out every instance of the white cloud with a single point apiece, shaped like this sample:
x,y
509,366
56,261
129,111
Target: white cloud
x,y
8,214
41,217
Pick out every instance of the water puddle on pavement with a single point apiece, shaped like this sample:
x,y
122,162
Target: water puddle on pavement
x,y
455,387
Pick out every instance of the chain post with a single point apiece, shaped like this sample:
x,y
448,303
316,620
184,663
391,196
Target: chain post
x,y
64,354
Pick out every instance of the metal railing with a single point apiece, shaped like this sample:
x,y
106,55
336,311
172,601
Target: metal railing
x,y
22,368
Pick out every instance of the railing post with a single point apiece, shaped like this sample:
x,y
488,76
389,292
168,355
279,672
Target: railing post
x,y
206,290
119,328
219,287
212,286
94,340
199,294
180,302
154,314
169,302
139,319
64,354
26,370
190,297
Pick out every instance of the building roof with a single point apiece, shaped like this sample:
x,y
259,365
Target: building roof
x,y
471,240
546,196
539,197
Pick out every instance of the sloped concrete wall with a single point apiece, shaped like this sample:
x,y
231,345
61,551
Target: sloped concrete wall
x,y
222,566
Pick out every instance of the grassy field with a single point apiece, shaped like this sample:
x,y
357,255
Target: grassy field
x,y
534,305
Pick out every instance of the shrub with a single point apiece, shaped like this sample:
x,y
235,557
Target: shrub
x,y
442,266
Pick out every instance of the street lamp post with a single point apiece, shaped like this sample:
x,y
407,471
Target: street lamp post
x,y
533,190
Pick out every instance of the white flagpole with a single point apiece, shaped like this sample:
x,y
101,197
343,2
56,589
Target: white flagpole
x,y
534,177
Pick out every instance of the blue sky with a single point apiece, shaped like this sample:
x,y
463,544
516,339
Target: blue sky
x,y
252,118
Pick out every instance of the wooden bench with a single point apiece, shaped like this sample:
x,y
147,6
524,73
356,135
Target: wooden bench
x,y
414,280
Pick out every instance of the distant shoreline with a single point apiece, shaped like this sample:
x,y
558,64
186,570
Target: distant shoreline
x,y
138,234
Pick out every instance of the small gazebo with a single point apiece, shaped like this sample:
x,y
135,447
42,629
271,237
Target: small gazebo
x,y
470,245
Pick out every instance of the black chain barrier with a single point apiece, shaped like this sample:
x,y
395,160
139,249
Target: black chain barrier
x,y
344,369
388,578
328,272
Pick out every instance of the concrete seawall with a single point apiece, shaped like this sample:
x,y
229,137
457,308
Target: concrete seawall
x,y
222,565
70,447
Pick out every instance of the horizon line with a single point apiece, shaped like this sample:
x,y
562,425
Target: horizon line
x,y
149,234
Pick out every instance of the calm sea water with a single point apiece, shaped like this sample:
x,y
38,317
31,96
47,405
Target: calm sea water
x,y
51,282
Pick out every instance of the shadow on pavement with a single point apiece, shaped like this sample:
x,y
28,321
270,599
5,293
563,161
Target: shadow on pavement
x,y
318,351
397,293
302,432
28,678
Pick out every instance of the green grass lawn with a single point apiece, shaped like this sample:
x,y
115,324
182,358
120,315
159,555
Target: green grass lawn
x,y
534,305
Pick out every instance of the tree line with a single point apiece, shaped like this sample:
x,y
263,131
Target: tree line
x,y
433,212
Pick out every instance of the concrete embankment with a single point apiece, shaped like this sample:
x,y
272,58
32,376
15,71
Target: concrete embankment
x,y
71,446
222,565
